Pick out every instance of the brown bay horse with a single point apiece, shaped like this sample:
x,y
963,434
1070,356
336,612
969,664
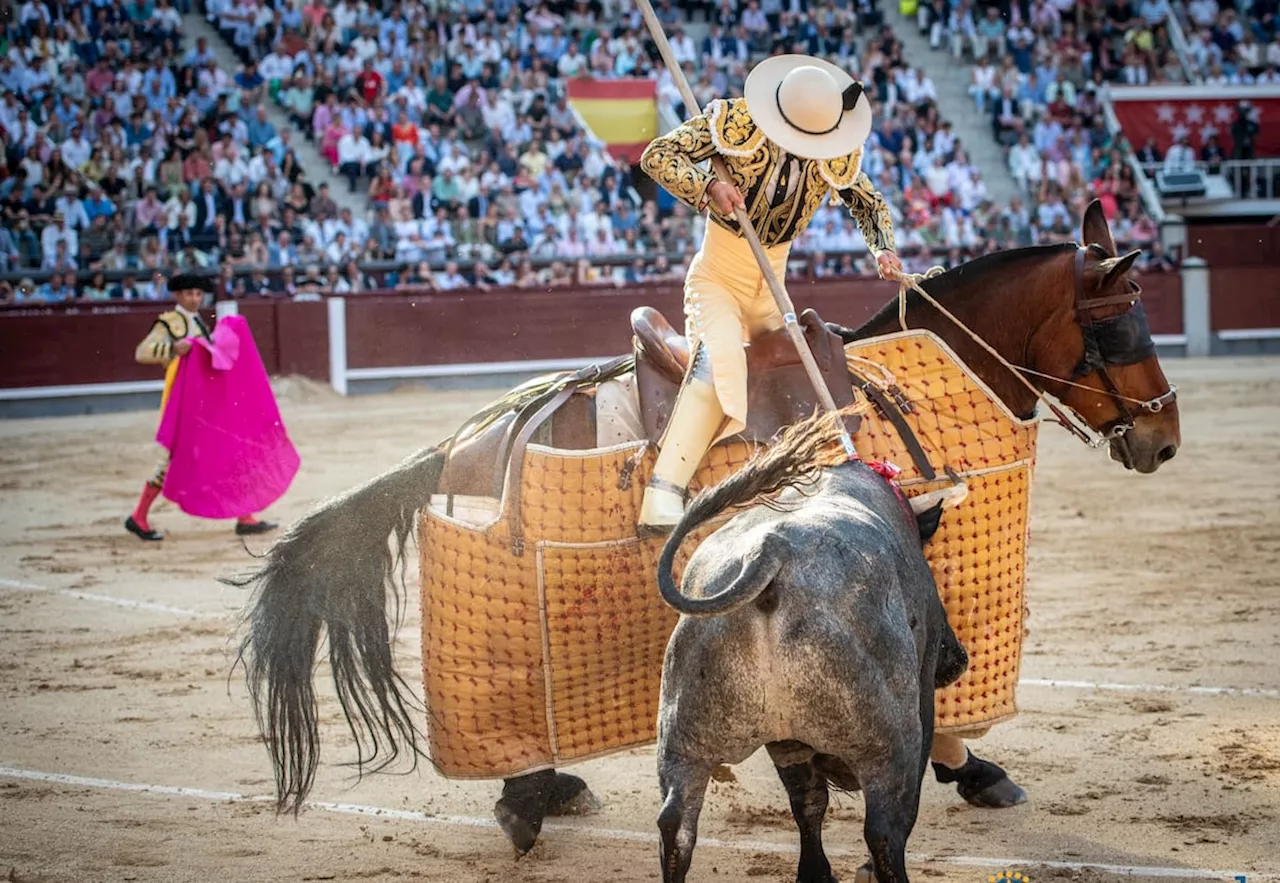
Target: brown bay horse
x,y
1068,317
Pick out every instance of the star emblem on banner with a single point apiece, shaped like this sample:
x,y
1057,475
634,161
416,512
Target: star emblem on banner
x,y
1199,119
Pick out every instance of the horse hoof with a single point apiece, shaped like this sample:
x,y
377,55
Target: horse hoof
x,y
522,834
982,783
866,874
1001,794
570,796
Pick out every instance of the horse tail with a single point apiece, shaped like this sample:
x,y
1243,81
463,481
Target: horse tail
x,y
805,449
333,572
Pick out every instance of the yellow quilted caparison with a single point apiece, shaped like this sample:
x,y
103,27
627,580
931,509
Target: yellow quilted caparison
x,y
554,656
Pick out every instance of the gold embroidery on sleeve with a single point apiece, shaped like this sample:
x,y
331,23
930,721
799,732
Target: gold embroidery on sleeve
x,y
867,207
671,160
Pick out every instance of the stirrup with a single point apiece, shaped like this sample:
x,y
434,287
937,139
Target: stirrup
x,y
661,528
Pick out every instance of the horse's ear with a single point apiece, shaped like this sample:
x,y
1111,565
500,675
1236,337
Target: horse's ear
x,y
1115,268
1096,230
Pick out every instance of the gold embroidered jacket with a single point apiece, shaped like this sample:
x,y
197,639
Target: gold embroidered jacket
x,y
157,347
781,192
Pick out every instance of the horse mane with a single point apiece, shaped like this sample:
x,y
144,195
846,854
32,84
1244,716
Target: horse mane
x,y
953,281
805,449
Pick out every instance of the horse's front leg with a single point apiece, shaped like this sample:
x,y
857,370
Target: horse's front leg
x,y
980,782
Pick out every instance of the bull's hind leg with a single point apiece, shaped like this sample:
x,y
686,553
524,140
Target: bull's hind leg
x,y
893,800
807,790
684,786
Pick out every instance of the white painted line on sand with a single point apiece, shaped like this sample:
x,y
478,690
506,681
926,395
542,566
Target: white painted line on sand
x,y
587,830
1149,688
19,586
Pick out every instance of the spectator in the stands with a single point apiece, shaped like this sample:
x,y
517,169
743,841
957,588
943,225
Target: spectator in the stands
x,y
60,288
96,288
1006,117
1150,153
1180,158
1212,155
1156,260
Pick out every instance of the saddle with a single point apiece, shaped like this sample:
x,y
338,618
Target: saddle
x,y
560,410
779,392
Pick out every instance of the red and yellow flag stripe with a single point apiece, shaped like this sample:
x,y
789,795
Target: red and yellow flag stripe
x,y
621,113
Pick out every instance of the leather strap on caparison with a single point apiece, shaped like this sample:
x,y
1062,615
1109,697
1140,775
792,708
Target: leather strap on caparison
x,y
889,409
559,394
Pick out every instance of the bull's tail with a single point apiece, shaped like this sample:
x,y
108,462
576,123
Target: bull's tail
x,y
804,450
333,572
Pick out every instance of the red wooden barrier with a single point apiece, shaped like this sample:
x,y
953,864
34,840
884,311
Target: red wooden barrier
x,y
1234,245
388,331
1162,299
1244,297
58,346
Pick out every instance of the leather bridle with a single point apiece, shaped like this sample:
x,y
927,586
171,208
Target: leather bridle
x,y
1119,340
1123,339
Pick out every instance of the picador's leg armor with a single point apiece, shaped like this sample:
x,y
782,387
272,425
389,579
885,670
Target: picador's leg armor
x,y
695,421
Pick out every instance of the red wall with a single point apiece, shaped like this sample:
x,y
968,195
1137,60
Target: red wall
x,y
54,346
1244,297
1162,299
302,339
1235,245
392,331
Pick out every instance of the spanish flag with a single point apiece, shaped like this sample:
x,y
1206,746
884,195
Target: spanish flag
x,y
621,113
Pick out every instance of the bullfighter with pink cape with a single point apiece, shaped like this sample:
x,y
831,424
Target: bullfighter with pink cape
x,y
228,452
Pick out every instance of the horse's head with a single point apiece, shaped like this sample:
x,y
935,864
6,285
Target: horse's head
x,y
1107,351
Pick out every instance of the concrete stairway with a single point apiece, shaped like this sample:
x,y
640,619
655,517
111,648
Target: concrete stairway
x,y
316,166
952,83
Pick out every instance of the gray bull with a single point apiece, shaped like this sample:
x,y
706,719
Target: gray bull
x,y
812,626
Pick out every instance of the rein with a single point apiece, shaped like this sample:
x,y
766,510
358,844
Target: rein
x,y
1121,340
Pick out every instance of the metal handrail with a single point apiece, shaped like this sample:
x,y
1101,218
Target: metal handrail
x,y
1249,178
675,259
1178,39
1146,188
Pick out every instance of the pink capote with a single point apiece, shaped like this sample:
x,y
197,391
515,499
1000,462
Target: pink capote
x,y
230,455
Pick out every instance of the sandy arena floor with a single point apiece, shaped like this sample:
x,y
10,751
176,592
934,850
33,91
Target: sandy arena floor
x,y
127,754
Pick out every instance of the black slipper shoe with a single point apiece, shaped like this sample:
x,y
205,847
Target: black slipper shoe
x,y
136,529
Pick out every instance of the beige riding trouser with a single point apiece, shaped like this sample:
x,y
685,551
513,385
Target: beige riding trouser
x,y
726,303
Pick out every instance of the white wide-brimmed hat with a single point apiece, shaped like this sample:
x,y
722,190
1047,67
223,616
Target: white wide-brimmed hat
x,y
809,107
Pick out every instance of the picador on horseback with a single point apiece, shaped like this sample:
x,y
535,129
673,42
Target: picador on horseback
x,y
794,137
